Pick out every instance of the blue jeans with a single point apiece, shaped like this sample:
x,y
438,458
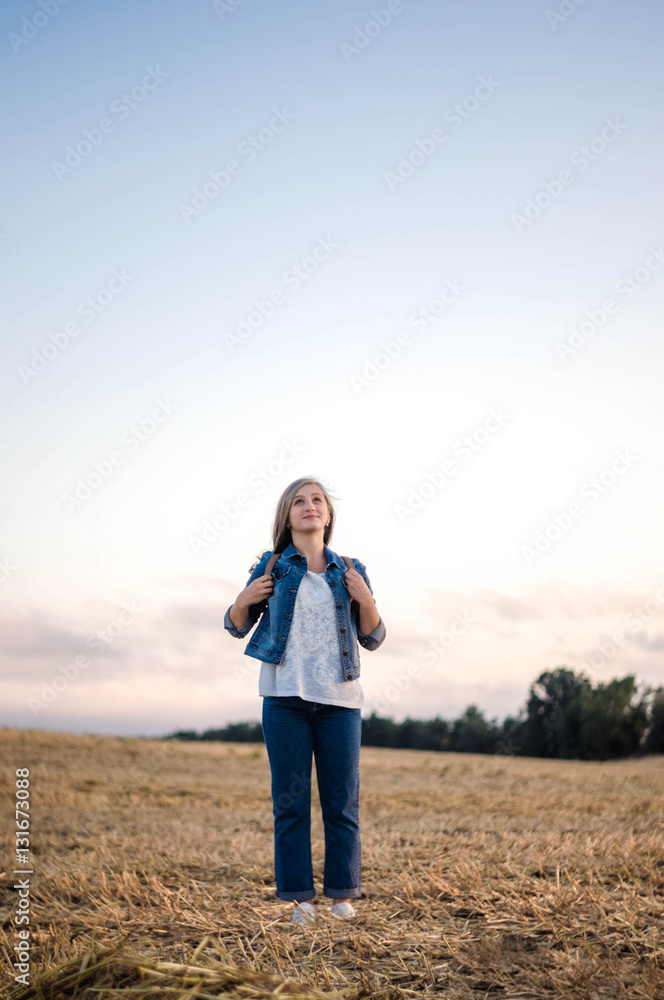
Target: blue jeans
x,y
293,728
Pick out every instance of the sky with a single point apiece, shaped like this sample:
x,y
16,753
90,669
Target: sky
x,y
415,250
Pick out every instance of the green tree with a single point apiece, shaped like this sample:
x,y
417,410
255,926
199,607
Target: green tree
x,y
438,734
379,732
511,736
613,719
654,741
553,714
414,733
236,732
471,733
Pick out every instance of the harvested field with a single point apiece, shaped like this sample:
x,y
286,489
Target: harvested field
x,y
483,876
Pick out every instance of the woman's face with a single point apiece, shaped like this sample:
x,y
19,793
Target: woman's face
x,y
308,511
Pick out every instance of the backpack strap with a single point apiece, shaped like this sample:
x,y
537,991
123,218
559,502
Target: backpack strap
x,y
271,561
354,605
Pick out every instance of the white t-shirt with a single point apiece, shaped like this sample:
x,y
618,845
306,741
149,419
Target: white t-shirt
x,y
311,665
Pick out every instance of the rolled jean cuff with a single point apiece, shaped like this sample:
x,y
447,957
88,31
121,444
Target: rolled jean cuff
x,y
342,893
297,897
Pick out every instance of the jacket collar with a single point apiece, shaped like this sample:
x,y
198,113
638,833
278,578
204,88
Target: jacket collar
x,y
290,552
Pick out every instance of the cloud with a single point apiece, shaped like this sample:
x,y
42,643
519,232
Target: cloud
x,y
207,616
653,644
509,607
214,587
174,665
538,601
32,634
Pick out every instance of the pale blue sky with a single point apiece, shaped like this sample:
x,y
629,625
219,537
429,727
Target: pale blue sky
x,y
160,341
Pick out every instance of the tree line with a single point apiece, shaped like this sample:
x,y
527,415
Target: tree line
x,y
565,716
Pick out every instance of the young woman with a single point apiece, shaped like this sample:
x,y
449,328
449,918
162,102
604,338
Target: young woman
x,y
313,611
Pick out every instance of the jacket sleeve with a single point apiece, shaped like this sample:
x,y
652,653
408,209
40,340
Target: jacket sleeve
x,y
377,637
255,610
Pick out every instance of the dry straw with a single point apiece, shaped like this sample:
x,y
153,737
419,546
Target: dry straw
x,y
113,972
484,877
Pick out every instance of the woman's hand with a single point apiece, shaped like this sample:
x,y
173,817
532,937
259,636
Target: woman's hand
x,y
255,592
357,588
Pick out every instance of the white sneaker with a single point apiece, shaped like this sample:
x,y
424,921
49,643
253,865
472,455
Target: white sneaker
x,y
303,913
344,909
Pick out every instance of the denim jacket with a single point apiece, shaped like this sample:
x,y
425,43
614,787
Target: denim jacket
x,y
269,640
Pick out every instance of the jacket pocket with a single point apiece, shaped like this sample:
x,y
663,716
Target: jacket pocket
x,y
280,571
